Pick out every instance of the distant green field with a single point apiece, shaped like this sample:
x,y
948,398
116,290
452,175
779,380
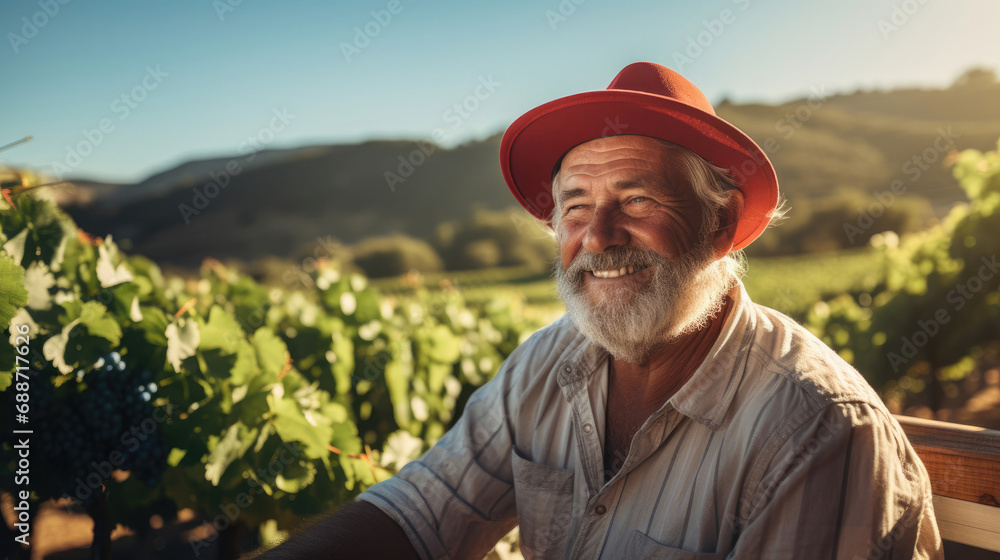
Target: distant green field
x,y
789,284
792,284
536,291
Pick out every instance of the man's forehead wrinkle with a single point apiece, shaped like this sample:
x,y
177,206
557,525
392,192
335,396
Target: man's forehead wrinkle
x,y
631,156
618,163
660,180
605,150
619,184
605,167
585,171
619,144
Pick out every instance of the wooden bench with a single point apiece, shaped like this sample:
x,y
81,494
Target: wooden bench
x,y
964,467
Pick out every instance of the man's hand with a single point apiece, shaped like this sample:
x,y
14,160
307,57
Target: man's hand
x,y
358,530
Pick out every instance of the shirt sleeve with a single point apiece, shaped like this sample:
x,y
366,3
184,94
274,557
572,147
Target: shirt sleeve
x,y
846,485
457,500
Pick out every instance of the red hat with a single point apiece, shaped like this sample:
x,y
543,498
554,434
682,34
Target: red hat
x,y
644,99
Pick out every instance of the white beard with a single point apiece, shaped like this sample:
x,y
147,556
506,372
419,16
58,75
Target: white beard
x,y
682,296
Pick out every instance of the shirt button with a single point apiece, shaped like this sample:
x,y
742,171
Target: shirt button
x,y
600,510
587,428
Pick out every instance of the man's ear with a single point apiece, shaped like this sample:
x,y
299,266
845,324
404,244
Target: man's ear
x,y
729,217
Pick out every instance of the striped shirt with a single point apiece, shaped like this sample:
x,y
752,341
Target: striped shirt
x,y
774,448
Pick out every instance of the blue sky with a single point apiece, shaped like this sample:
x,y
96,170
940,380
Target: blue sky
x,y
200,77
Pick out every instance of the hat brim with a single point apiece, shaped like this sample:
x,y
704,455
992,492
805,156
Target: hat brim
x,y
533,144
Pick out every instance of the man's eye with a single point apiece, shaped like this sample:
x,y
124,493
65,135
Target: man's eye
x,y
639,199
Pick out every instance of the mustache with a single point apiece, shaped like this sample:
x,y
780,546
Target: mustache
x,y
637,257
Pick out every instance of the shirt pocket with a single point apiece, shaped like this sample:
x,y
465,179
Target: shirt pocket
x,y
544,497
641,546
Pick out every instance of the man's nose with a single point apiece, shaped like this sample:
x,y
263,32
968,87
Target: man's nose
x,y
605,230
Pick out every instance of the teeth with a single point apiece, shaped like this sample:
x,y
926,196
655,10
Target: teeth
x,y
614,273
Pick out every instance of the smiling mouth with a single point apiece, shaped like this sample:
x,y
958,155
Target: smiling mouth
x,y
615,273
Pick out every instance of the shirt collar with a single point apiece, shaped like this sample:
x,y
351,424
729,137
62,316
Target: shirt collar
x,y
707,396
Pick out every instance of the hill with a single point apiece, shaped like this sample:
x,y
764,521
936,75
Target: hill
x,y
279,202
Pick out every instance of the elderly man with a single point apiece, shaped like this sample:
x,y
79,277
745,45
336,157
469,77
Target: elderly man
x,y
665,415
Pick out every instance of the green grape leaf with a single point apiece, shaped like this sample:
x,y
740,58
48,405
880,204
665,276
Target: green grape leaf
x,y
293,383
147,274
72,307
60,254
397,379
15,246
227,449
367,306
13,294
334,411
250,301
264,438
292,425
436,376
107,273
253,407
182,340
345,437
48,228
363,471
246,367
70,253
135,310
271,351
444,345
7,353
54,348
222,332
341,358
6,378
295,476
154,325
328,467
217,366
22,317
351,468
400,448
123,296
95,317
38,280
176,456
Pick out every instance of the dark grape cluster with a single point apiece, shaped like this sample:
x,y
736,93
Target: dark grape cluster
x,y
106,424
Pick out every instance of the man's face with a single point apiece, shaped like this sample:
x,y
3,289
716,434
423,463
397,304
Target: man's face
x,y
619,192
633,268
